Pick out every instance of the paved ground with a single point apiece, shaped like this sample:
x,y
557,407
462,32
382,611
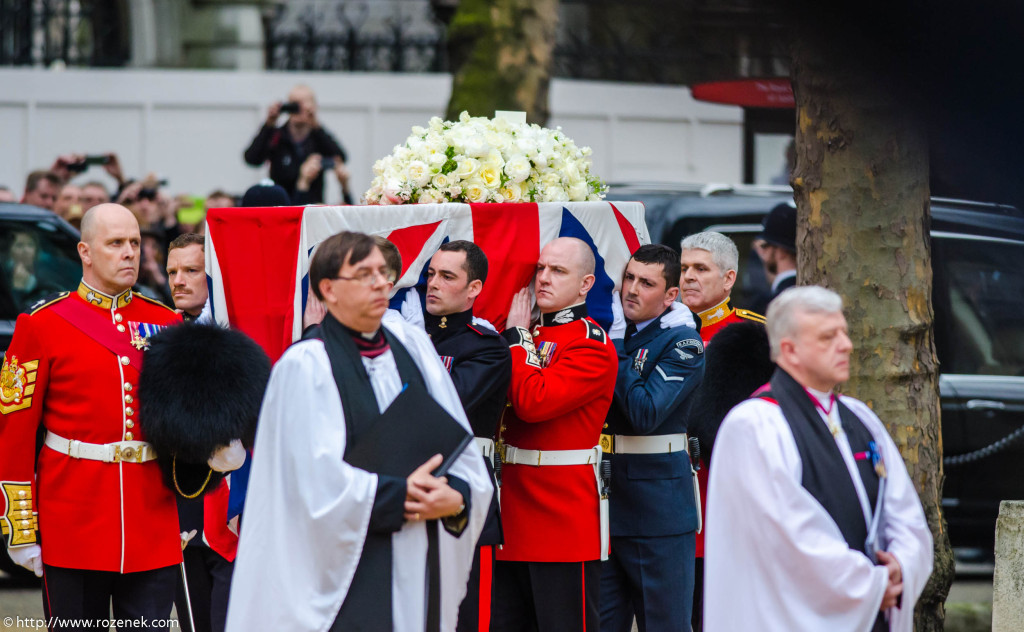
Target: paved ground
x,y
968,609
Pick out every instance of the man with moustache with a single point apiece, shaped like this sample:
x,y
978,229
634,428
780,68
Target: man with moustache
x,y
650,572
211,546
547,575
815,524
186,274
330,546
107,524
479,363
778,254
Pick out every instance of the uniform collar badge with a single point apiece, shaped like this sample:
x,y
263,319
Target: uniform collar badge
x,y
104,301
564,316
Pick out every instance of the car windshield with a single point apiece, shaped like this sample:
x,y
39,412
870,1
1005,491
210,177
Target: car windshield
x,y
984,334
35,261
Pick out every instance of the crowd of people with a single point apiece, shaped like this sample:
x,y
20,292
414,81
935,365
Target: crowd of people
x,y
691,468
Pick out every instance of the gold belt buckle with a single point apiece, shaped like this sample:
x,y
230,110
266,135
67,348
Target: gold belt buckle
x,y
127,454
608,444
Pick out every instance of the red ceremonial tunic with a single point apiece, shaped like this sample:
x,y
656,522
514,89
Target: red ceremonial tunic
x,y
558,400
713,321
91,515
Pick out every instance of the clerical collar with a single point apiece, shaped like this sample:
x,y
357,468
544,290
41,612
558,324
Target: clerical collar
x,y
564,316
369,345
443,326
717,313
822,400
93,296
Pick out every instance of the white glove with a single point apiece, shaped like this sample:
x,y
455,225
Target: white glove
x,y
680,315
187,537
412,309
618,328
29,556
228,458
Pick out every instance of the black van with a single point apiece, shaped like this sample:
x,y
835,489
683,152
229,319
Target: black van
x,y
978,297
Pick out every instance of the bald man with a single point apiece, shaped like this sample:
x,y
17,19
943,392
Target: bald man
x,y
289,146
91,514
563,378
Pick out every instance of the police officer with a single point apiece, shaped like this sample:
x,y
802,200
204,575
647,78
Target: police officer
x,y
480,366
547,575
650,571
108,524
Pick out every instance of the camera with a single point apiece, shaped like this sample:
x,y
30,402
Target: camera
x,y
327,163
98,159
291,107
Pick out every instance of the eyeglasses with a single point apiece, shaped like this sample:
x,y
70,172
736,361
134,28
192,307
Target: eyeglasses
x,y
368,277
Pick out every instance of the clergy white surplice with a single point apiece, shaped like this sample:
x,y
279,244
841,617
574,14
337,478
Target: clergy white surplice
x,y
307,511
775,559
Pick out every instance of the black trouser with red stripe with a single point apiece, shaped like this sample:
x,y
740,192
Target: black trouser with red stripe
x,y
546,596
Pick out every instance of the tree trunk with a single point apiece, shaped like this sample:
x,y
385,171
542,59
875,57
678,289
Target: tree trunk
x,y
501,54
862,192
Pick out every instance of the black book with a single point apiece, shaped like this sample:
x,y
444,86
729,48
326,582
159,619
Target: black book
x,y
411,430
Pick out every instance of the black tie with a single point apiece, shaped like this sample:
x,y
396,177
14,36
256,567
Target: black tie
x,y
630,330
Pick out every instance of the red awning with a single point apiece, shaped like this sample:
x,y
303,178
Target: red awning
x,y
749,93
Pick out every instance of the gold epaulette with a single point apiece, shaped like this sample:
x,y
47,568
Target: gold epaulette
x,y
43,303
749,315
151,300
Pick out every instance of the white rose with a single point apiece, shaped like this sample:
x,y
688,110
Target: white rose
x,y
441,182
475,191
491,176
517,168
467,167
578,192
418,173
464,117
429,196
512,191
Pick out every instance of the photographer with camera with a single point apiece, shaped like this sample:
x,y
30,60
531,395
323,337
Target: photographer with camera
x,y
289,146
311,170
68,166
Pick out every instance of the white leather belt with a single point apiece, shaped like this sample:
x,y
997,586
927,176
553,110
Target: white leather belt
x,y
486,447
519,456
648,444
119,452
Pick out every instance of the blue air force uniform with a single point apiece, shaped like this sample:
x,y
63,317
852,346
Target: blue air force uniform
x,y
652,509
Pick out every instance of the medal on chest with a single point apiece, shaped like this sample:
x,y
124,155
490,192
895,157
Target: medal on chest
x,y
638,361
545,352
140,333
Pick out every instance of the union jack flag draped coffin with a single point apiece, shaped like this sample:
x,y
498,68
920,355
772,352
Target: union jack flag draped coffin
x,y
257,259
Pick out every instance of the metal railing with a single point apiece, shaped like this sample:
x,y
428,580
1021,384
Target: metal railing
x,y
62,32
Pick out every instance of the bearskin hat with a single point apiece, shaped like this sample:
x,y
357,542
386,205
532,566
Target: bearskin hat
x,y
737,363
201,386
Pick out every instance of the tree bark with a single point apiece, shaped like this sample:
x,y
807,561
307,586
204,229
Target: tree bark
x,y
862,192
501,53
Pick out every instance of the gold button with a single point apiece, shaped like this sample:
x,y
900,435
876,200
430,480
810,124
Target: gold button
x,y
606,425
24,514
26,533
120,328
130,423
125,360
127,386
21,493
117,317
25,524
129,411
128,452
23,503
128,399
